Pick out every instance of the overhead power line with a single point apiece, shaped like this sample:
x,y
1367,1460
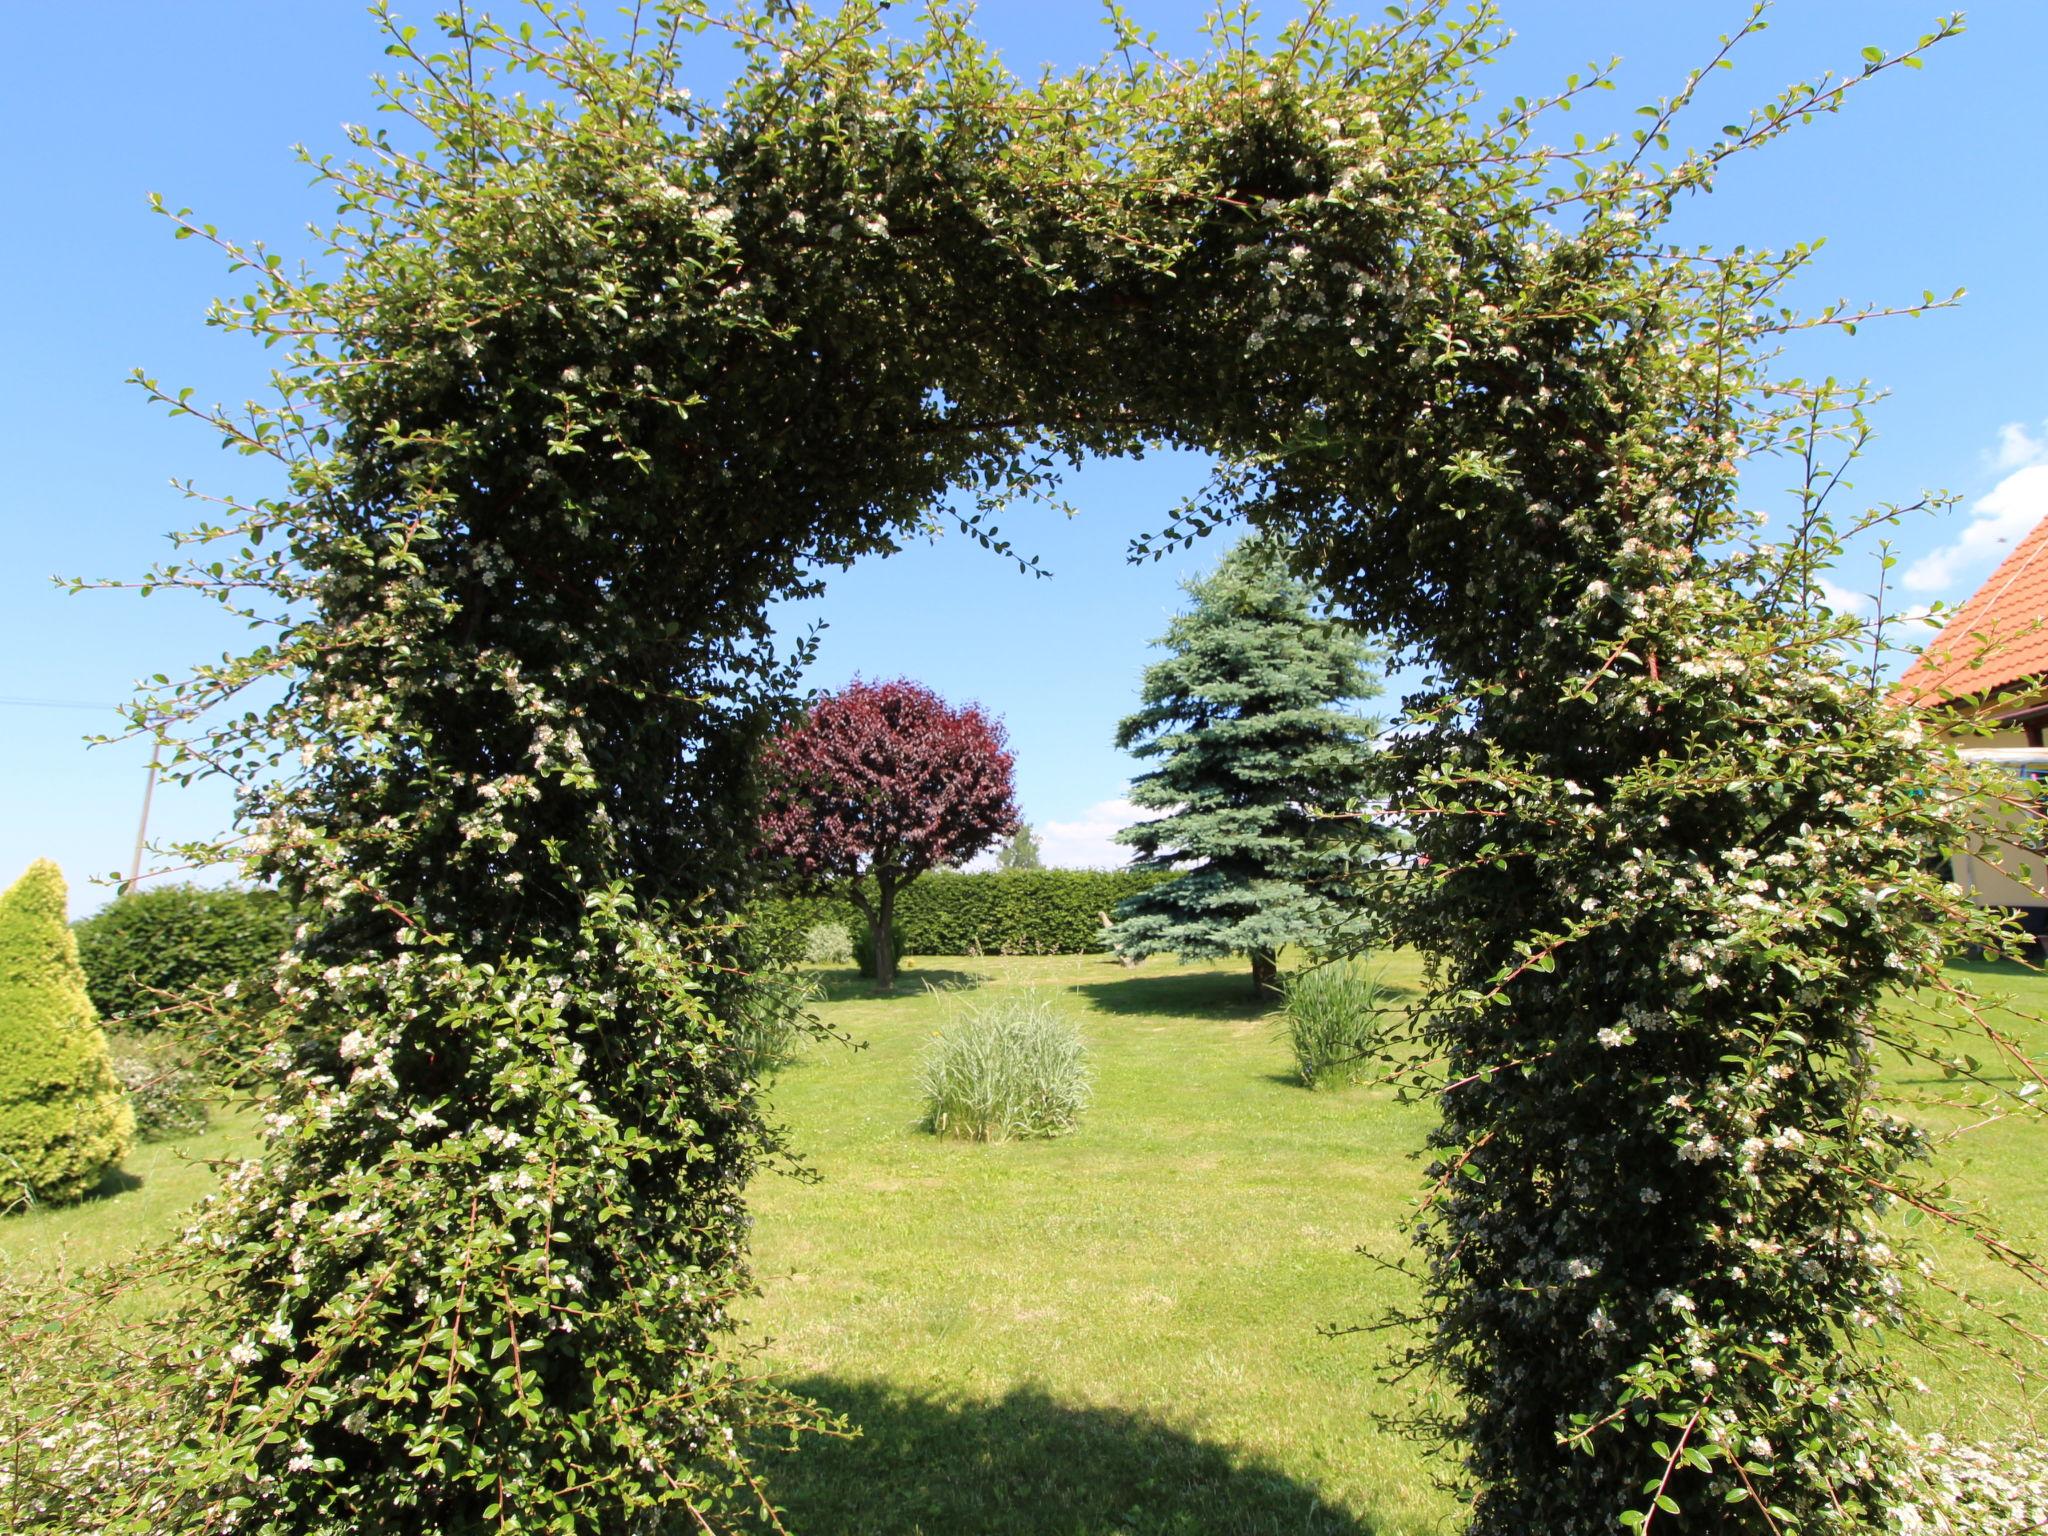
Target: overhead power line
x,y
148,789
6,698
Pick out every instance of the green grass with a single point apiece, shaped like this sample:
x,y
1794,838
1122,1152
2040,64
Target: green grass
x,y
1116,1331
1121,1331
141,1204
2000,1170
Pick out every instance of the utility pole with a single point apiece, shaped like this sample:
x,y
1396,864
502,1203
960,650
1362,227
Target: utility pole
x,y
142,827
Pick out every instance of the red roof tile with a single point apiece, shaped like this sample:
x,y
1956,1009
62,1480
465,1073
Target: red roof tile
x,y
1998,638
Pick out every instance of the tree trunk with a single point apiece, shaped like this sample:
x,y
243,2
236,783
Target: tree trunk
x,y
1265,972
880,925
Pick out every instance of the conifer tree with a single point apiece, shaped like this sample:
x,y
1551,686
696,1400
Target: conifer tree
x,y
1252,752
64,1121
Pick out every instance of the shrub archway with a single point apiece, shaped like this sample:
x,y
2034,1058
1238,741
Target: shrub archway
x,y
605,371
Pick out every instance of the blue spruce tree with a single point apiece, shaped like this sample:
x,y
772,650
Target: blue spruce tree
x,y
1251,754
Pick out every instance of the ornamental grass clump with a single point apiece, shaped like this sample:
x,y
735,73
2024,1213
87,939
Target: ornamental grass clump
x,y
770,1023
1333,1022
1006,1069
828,944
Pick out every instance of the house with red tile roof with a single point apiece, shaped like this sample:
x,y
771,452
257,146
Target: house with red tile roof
x,y
1989,664
1984,679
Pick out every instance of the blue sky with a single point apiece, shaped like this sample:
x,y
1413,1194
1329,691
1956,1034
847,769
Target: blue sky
x,y
1929,180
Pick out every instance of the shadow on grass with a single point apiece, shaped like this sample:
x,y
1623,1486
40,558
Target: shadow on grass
x,y
1218,994
2004,970
1295,1080
114,1184
849,986
1026,1465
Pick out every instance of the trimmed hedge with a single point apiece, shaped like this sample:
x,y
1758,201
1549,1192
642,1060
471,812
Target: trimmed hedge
x,y
1014,912
146,949
1000,912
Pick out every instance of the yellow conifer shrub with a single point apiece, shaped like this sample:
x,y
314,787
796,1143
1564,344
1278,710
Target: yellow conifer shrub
x,y
64,1120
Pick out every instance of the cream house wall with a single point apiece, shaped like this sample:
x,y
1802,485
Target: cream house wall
x,y
2011,871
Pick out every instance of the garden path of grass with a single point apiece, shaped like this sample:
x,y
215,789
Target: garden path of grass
x,y
1121,1333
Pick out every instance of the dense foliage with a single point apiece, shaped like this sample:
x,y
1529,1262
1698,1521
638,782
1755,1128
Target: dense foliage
x,y
1010,1068
1026,912
878,784
867,953
1258,777
768,1028
149,954
601,372
81,1431
65,1124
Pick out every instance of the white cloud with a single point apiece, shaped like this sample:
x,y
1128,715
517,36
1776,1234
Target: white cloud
x,y
1897,621
1842,600
2019,447
2002,516
1086,842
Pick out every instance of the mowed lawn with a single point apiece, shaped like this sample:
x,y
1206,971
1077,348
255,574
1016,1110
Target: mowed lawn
x,y
1122,1330
1135,1330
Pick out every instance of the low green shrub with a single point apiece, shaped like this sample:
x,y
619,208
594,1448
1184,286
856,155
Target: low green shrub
x,y
776,932
165,1089
828,943
1333,1020
146,951
861,939
1010,1067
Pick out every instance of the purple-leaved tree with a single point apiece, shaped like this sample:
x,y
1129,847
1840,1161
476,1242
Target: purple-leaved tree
x,y
881,782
